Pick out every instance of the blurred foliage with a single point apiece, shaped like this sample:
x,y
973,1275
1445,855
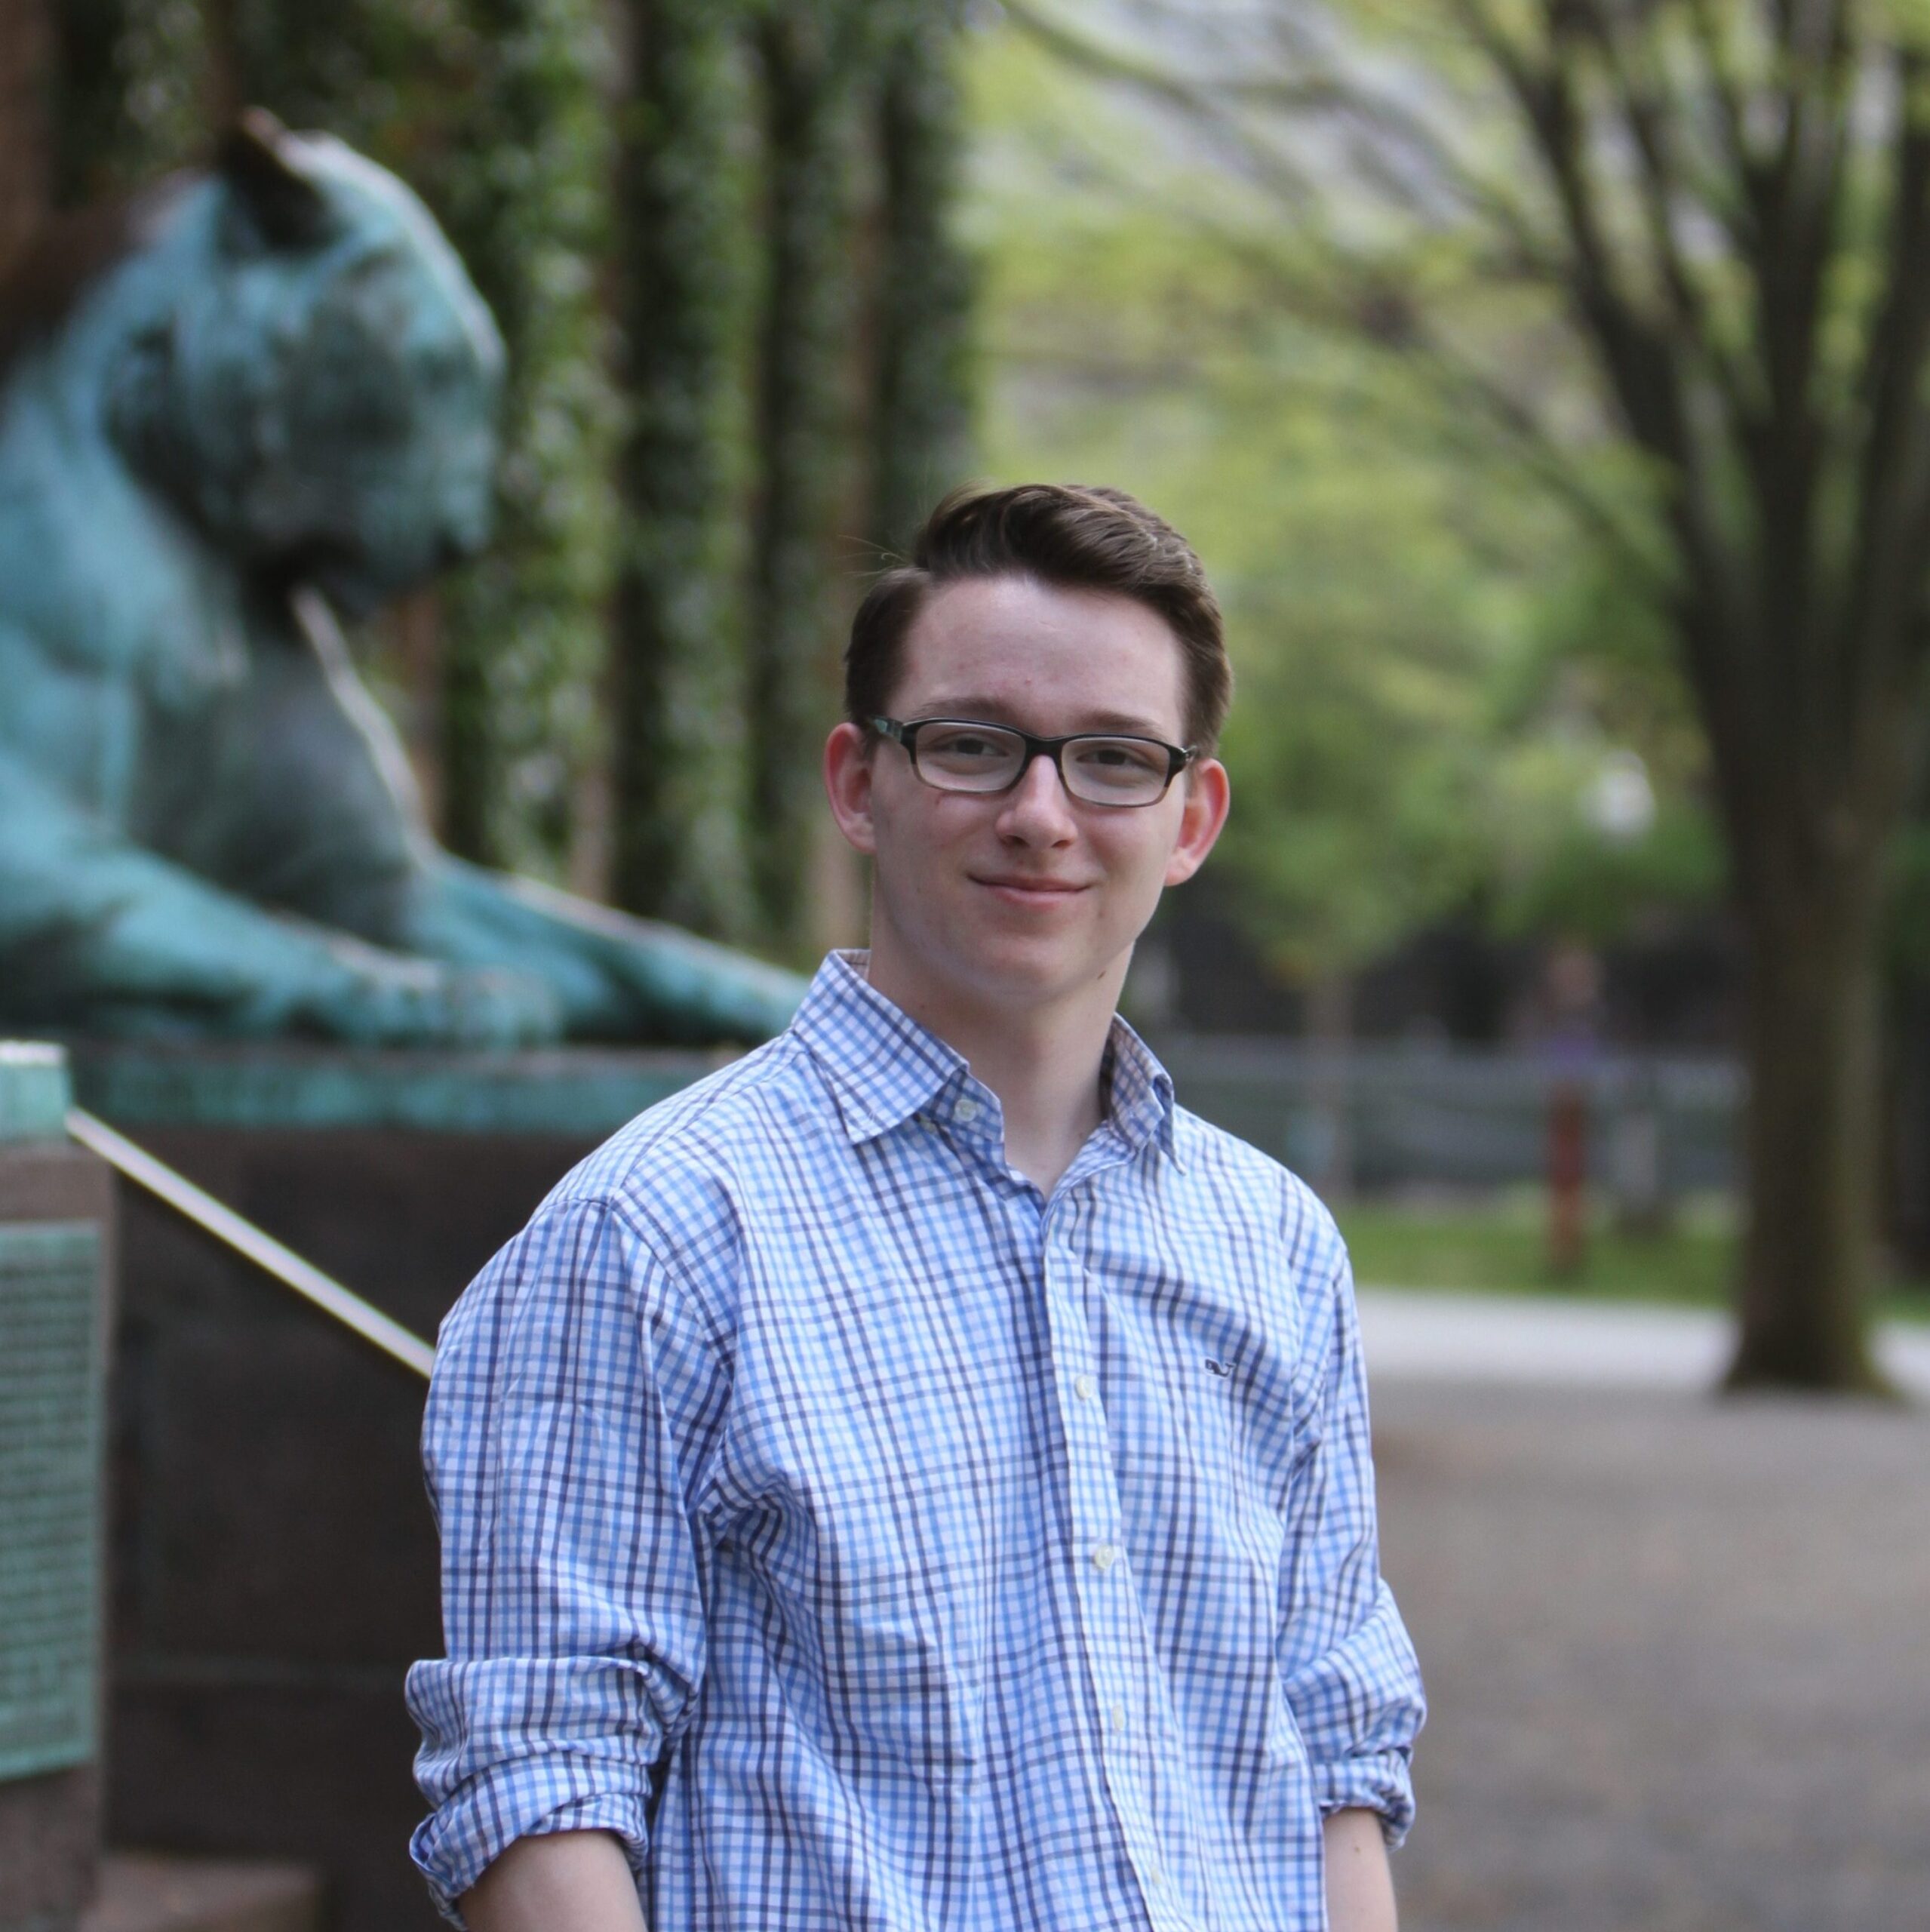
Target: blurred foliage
x,y
493,111
795,310
684,226
809,60
523,190
1675,258
921,433
1909,932
718,235
1435,664
131,85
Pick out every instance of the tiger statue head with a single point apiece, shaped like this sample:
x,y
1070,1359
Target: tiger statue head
x,y
261,395
305,369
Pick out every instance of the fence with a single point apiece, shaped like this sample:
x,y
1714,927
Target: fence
x,y
1381,1117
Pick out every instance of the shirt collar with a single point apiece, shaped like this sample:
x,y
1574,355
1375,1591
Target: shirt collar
x,y
882,1067
1139,1091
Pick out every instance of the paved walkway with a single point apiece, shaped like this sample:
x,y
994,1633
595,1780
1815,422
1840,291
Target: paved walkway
x,y
1431,1335
1678,1648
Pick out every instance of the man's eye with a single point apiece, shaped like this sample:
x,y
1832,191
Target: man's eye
x,y
966,744
1113,757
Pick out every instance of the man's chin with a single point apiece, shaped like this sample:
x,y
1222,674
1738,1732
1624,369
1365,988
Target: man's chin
x,y
1024,975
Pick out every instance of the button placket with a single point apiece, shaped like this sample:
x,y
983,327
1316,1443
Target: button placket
x,y
1115,1635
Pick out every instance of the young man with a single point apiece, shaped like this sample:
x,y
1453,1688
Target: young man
x,y
920,1478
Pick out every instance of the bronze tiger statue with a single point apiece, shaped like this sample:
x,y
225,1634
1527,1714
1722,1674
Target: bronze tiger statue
x,y
261,395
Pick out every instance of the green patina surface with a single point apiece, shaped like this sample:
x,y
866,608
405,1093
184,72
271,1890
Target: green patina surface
x,y
580,1092
49,1461
274,405
34,1091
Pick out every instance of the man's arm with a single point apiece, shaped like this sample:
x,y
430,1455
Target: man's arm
x,y
564,1442
1347,1666
569,1881
1359,1885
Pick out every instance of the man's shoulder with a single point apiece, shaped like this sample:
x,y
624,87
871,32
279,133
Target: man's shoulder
x,y
695,1147
1248,1188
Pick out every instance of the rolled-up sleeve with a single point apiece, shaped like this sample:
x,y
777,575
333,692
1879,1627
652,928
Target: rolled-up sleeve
x,y
576,1395
1351,1678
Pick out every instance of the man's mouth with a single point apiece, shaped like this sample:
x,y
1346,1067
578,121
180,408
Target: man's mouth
x,y
1021,888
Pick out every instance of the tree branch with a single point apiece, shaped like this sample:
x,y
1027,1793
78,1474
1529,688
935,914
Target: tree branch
x,y
1643,377
1543,458
1745,224
1211,101
1460,382
1661,189
1800,195
1894,481
1640,373
1893,365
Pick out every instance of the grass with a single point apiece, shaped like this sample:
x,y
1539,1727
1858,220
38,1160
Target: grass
x,y
1498,1245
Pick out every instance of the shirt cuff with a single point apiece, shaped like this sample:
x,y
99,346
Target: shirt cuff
x,y
532,1798
1381,1781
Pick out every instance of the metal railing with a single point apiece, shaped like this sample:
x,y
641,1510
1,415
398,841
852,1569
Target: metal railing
x,y
267,1254
1406,1115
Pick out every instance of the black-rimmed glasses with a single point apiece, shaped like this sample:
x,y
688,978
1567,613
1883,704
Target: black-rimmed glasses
x,y
1098,768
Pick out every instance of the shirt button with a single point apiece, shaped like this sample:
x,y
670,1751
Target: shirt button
x,y
1119,1717
1082,1387
1154,1876
1105,1555
965,1112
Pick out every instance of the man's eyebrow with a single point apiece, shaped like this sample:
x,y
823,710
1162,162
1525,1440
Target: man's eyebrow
x,y
996,711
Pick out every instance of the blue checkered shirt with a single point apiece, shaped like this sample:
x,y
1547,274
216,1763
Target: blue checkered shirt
x,y
871,1543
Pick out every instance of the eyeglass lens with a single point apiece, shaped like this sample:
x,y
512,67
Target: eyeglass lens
x,y
1102,771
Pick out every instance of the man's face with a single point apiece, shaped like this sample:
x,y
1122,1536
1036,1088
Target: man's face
x,y
1024,898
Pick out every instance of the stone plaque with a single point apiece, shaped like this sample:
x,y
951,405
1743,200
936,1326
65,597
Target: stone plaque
x,y
49,1456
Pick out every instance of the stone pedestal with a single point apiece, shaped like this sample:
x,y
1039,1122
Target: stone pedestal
x,y
274,1565
55,1215
143,1893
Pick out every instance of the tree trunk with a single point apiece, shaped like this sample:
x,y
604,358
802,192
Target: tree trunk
x,y
1810,1143
803,417
921,399
676,772
158,74
25,63
85,103
523,192
127,94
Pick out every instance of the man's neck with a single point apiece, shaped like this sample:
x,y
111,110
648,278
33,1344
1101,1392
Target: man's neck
x,y
1042,1061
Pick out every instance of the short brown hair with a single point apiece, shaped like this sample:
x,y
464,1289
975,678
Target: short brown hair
x,y
1067,535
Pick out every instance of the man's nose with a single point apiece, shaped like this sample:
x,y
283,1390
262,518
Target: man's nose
x,y
1037,807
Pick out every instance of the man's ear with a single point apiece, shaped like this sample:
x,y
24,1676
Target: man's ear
x,y
1207,798
279,201
848,753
